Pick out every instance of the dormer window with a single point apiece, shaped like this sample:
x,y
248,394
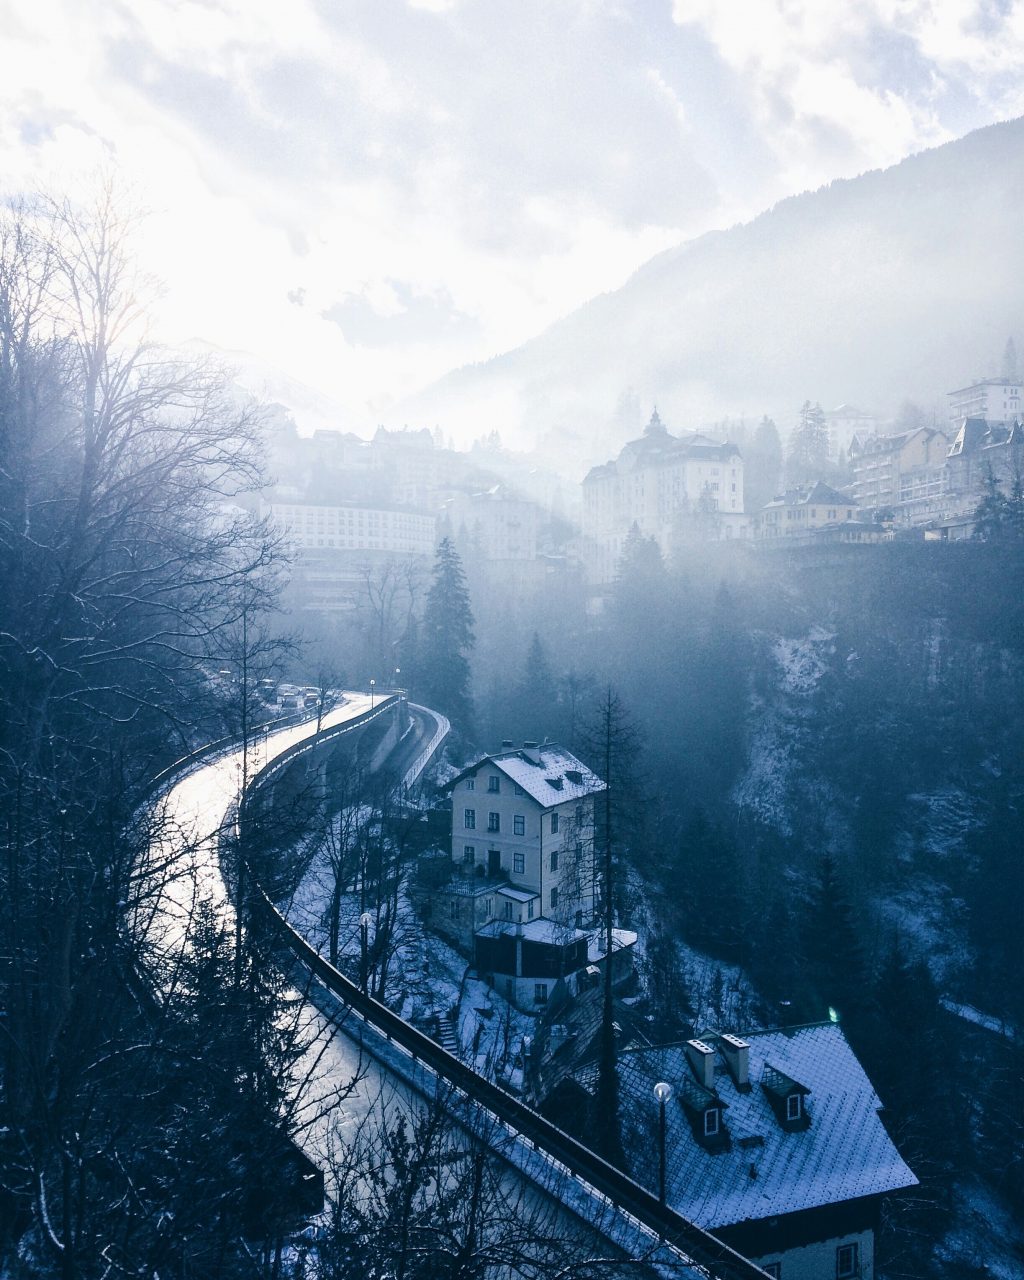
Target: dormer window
x,y
712,1122
794,1108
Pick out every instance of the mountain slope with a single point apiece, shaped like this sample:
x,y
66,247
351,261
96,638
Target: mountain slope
x,y
900,283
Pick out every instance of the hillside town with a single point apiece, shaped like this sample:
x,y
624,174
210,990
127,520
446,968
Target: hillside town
x,y
343,503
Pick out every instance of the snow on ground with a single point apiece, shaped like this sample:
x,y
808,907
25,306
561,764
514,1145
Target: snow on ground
x,y
999,1026
931,923
983,1227
803,660
429,980
772,773
942,820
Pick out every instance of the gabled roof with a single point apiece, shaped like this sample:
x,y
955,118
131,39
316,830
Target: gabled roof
x,y
548,774
821,494
844,1153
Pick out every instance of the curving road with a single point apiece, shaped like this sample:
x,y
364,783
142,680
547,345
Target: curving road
x,y
351,1070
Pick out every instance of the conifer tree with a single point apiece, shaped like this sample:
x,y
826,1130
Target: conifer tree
x,y
446,638
807,457
833,944
536,696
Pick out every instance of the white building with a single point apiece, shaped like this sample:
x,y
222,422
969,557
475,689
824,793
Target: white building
x,y
527,815
661,483
994,399
349,527
333,546
773,1142
845,423
523,892
499,525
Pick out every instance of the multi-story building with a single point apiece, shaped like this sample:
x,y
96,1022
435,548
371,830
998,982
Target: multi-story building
x,y
905,472
773,1143
661,483
334,544
980,449
847,422
523,888
798,511
499,525
994,399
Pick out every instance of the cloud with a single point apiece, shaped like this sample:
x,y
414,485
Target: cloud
x,y
398,314
372,195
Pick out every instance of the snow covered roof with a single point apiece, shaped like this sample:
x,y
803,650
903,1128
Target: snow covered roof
x,y
819,493
517,895
595,943
764,1170
548,774
540,930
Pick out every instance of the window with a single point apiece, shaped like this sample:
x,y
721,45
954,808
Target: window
x,y
494,822
518,864
554,859
711,1122
469,854
471,784
519,824
529,910
847,1261
494,783
469,819
554,824
793,1107
579,815
453,908
772,1269
540,993
554,899
519,790
508,910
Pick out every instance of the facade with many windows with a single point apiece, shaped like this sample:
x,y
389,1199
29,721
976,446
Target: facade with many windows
x,y
672,488
523,891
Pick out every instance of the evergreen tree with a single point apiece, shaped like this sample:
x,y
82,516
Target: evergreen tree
x,y
536,698
838,966
807,457
762,472
446,638
612,747
708,886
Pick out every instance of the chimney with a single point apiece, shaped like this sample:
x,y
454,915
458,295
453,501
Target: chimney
x,y
507,744
702,1059
532,752
737,1058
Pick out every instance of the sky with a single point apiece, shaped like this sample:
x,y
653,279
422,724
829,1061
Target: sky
x,y
364,194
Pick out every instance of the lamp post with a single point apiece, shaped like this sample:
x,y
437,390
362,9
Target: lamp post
x,y
662,1091
398,673
365,920
372,683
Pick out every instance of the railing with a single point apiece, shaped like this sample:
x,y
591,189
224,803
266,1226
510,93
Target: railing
x,y
697,1245
425,756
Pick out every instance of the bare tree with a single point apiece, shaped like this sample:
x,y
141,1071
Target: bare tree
x,y
125,564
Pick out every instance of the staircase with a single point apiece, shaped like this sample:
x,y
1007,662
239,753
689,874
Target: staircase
x,y
447,1035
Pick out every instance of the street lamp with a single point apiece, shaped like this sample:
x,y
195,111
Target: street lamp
x,y
398,672
365,920
372,683
662,1091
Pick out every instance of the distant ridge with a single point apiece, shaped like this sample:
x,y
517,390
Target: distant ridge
x,y
899,283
